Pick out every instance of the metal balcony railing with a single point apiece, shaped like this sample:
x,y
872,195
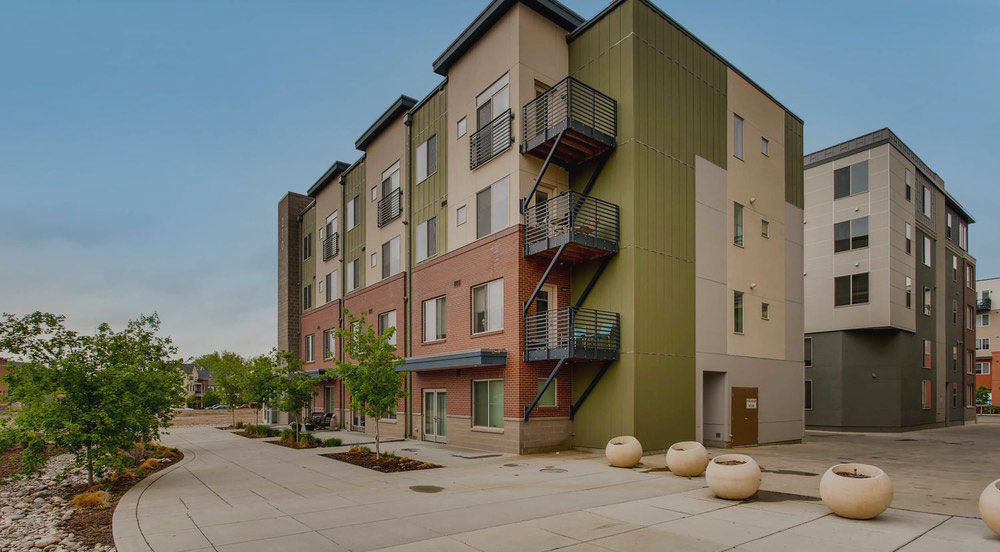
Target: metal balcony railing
x,y
572,333
571,218
331,246
572,106
491,140
390,207
984,304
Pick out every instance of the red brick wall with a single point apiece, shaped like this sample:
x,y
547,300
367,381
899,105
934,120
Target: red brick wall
x,y
315,322
375,299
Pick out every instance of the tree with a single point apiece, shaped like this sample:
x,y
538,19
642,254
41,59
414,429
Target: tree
x,y
94,396
210,398
982,395
370,375
294,389
228,374
260,380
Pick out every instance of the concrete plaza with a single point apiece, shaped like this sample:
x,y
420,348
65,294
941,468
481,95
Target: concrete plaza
x,y
236,494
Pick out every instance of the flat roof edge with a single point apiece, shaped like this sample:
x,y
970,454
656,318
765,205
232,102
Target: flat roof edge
x,y
398,107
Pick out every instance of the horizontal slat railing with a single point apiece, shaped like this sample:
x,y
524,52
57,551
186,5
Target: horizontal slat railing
x,y
331,246
572,211
390,207
569,101
580,332
491,140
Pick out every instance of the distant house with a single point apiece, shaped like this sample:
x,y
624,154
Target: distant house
x,y
196,380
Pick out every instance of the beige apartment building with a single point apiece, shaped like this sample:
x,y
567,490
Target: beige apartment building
x,y
988,337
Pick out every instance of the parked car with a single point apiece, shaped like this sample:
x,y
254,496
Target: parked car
x,y
219,406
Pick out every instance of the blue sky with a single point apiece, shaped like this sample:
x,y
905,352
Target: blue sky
x,y
144,146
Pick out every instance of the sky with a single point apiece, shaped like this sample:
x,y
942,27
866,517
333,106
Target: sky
x,y
144,145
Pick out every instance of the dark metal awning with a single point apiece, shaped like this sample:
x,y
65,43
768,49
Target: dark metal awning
x,y
462,359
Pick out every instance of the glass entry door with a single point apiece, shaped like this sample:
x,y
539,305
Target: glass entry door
x,y
357,421
435,422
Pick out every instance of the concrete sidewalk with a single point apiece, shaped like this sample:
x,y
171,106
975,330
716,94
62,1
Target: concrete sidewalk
x,y
233,493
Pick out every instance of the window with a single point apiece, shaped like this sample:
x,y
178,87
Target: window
x,y
307,297
983,320
928,357
738,312
460,130
307,250
909,184
737,136
738,224
493,102
434,319
970,395
925,206
491,209
389,414
487,307
387,320
954,395
909,239
353,275
983,344
426,159
309,349
954,357
390,257
374,193
908,288
963,236
927,300
925,394
850,180
954,311
329,344
983,368
947,225
765,229
548,398
460,216
427,239
332,286
850,234
968,317
850,290
807,352
487,403
353,212
927,251
764,146
954,268
332,223
372,260
968,276
765,311
808,396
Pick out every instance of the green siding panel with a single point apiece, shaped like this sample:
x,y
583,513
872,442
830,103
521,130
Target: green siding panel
x,y
794,170
429,198
354,239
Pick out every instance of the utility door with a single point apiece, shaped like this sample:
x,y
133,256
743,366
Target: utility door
x,y
744,422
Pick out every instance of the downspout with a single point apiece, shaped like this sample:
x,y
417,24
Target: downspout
x,y
408,279
341,228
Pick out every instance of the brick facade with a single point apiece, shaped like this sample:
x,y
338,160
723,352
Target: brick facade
x,y
290,269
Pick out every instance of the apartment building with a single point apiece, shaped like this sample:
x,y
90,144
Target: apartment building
x,y
889,291
589,228
987,336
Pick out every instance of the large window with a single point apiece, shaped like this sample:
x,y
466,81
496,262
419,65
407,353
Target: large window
x,y
850,234
390,257
353,212
808,396
738,224
434,319
329,344
427,159
390,180
309,356
808,352
983,368
487,307
737,136
850,290
928,248
427,239
332,286
487,403
927,301
548,398
491,208
928,356
738,312
387,320
307,297
983,319
354,275
850,180
983,344
493,102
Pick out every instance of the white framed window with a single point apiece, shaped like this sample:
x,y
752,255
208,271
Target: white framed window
x,y
332,223
435,318
487,403
963,236
807,352
353,212
387,320
737,136
493,101
390,258
908,289
983,344
947,225
460,128
309,356
487,307
925,206
491,208
765,146
954,268
427,239
372,260
548,398
927,300
426,158
927,251
329,344
461,215
909,239
374,193
982,368
390,179
984,320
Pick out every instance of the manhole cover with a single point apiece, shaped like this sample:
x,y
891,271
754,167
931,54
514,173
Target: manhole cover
x,y
426,489
552,470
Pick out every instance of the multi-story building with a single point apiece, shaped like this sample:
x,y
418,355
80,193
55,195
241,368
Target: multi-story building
x,y
889,291
988,336
589,228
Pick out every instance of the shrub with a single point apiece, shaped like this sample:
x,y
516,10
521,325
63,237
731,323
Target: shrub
x,y
360,450
148,464
332,442
260,430
92,499
309,440
7,439
139,472
387,454
288,434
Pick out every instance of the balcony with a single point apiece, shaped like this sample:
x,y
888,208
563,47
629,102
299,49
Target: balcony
x,y
587,117
331,246
491,140
572,333
586,225
390,207
984,304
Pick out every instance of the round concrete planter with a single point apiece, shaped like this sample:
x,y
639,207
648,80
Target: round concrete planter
x,y
687,458
623,451
733,476
989,506
856,497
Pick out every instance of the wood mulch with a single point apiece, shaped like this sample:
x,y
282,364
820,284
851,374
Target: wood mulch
x,y
298,445
253,435
92,526
384,464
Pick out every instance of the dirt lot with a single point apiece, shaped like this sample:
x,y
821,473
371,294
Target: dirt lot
x,y
213,417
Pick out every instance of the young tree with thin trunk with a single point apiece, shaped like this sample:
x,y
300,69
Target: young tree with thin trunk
x,y
294,389
228,374
260,380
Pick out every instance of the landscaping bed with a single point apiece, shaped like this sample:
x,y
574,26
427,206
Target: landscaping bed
x,y
255,431
304,440
385,462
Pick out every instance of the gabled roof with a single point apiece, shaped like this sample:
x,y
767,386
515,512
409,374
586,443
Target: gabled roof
x,y
555,11
399,107
333,172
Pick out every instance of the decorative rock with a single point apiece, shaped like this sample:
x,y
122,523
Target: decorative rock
x,y
863,493
687,459
733,476
623,451
989,506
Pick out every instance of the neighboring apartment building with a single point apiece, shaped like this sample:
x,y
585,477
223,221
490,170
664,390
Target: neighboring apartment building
x,y
889,291
588,229
988,336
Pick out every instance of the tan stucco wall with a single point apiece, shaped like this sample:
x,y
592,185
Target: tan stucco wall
x,y
327,201
384,151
